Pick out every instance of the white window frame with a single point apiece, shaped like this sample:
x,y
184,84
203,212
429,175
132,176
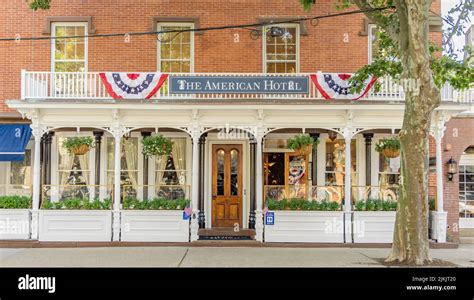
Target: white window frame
x,y
53,43
264,48
370,36
160,26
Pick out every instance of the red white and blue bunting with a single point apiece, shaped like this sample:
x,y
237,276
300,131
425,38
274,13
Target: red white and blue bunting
x,y
337,86
132,85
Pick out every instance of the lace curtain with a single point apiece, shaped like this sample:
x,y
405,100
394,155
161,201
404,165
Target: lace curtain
x,y
130,147
179,159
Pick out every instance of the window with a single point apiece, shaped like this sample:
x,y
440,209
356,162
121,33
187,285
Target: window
x,y
128,163
176,50
20,171
69,54
373,43
281,53
466,191
389,170
170,172
335,162
73,173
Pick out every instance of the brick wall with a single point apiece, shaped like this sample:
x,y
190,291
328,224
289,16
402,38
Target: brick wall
x,y
324,48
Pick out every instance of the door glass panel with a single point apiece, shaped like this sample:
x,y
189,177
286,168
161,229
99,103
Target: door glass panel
x,y
234,172
220,172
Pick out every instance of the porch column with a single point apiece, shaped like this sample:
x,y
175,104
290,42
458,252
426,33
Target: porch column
x,y
348,173
117,195
259,188
202,154
47,149
368,158
440,216
195,187
252,184
145,169
98,141
36,182
314,161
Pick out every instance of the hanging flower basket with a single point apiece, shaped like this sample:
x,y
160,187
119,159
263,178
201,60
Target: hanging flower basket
x,y
390,148
157,145
78,145
81,150
302,144
391,153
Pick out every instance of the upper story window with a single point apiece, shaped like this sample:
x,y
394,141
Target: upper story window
x,y
281,53
176,50
69,54
373,43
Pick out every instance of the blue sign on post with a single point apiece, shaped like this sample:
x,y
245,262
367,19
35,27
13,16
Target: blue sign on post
x,y
239,85
270,218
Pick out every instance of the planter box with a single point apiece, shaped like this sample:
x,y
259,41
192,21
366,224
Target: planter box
x,y
75,225
373,226
154,226
306,227
15,224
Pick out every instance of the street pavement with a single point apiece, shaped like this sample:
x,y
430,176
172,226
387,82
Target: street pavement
x,y
168,256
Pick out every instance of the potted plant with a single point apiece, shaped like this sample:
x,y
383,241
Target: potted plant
x,y
389,147
15,217
304,221
302,143
157,145
78,145
154,220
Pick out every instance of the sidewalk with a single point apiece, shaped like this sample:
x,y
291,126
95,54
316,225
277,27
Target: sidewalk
x,y
213,257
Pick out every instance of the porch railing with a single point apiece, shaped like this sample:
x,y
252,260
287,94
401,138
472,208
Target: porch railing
x,y
88,85
61,192
15,190
148,192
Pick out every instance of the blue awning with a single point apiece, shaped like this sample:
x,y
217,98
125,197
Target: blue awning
x,y
13,141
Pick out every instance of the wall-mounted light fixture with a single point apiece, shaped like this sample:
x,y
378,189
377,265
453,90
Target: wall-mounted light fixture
x,y
332,135
452,168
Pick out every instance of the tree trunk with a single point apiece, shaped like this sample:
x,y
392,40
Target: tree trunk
x,y
410,243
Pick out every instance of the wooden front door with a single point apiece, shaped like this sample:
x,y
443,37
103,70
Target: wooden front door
x,y
226,185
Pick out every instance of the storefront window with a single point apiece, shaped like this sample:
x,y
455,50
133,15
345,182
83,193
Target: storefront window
x,y
466,191
73,171
281,53
389,171
335,162
20,171
128,164
170,172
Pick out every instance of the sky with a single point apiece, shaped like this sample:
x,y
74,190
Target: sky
x,y
446,5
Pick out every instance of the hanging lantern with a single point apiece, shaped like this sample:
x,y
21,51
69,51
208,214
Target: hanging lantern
x,y
332,136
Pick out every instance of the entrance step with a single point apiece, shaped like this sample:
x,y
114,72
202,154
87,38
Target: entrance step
x,y
466,232
466,240
226,234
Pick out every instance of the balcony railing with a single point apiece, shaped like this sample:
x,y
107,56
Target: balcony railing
x,y
88,85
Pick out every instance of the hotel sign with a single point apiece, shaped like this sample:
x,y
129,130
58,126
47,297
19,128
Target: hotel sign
x,y
239,85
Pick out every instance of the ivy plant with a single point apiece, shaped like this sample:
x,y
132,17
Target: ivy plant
x,y
375,205
78,203
302,204
387,143
301,140
157,145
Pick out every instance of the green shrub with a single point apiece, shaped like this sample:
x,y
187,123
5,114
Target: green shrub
x,y
78,203
154,204
390,143
302,204
375,205
432,204
15,202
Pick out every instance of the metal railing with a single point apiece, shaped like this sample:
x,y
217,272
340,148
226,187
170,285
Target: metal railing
x,y
59,192
15,190
148,192
88,85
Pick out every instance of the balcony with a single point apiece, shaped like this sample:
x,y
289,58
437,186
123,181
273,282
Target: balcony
x,y
88,86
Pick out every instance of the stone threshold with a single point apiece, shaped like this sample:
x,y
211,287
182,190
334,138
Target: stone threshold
x,y
204,243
